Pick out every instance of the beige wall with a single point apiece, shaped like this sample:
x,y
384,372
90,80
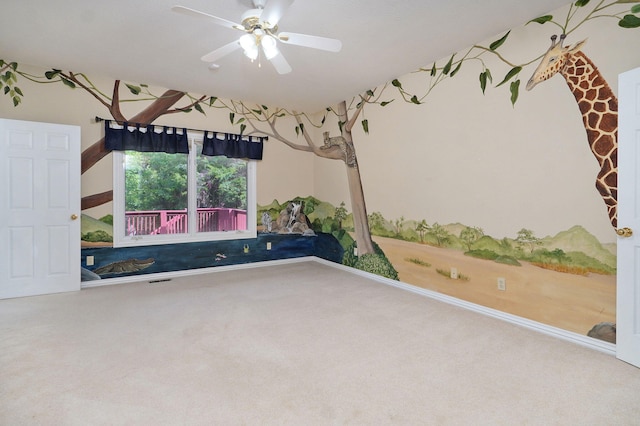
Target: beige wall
x,y
460,157
283,174
471,158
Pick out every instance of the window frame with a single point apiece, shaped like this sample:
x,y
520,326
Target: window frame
x,y
120,239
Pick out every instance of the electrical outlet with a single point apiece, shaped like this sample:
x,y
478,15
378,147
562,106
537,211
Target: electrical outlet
x,y
269,245
355,251
502,284
90,260
454,273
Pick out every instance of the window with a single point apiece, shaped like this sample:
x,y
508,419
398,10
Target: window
x,y
164,198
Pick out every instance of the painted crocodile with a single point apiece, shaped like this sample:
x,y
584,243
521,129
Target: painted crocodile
x,y
124,266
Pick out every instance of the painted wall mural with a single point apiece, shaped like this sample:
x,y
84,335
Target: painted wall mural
x,y
446,208
598,106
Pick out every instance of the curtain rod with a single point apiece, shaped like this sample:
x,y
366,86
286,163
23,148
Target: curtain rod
x,y
120,122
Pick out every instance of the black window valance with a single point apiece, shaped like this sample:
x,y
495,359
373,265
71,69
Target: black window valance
x,y
172,140
149,139
232,146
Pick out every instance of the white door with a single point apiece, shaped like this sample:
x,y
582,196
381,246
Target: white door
x,y
628,281
39,208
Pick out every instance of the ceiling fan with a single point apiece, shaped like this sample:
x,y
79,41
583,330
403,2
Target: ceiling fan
x,y
261,37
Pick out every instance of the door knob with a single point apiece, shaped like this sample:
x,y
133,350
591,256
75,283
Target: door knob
x,y
74,216
624,232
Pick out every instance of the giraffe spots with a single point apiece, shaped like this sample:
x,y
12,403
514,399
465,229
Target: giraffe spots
x,y
572,81
599,81
611,180
600,107
604,145
609,122
584,106
614,158
592,119
590,94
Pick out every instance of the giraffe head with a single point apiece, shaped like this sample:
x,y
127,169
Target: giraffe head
x,y
553,60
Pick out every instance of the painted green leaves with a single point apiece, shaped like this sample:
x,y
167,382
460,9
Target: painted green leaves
x,y
493,46
514,87
396,83
234,122
8,79
54,73
485,76
629,20
541,19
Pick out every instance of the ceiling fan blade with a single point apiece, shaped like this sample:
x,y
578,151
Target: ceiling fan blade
x,y
280,64
273,11
315,42
221,51
220,21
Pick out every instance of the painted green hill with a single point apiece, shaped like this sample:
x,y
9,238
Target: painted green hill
x,y
90,224
577,242
578,239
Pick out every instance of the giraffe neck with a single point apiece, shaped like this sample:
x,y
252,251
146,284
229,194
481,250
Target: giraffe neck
x,y
599,107
597,102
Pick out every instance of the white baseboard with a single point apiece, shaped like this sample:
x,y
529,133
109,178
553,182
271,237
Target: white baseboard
x,y
599,345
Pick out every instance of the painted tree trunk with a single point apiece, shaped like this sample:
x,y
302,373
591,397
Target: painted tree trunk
x,y
358,205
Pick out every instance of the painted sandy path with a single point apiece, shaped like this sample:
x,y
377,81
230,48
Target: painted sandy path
x,y
567,301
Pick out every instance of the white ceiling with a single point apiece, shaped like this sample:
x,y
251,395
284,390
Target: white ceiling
x,y
143,41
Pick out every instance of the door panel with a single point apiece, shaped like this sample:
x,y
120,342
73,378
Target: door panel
x,y
40,241
628,274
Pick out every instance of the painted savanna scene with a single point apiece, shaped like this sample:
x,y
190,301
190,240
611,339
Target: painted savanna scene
x,y
566,280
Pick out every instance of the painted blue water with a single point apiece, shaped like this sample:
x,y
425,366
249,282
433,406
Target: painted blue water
x,y
177,257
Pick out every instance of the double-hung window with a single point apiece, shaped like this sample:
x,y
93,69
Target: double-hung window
x,y
162,198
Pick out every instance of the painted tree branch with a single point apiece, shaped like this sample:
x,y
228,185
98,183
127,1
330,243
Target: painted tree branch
x,y
187,107
96,200
357,112
159,107
72,77
114,109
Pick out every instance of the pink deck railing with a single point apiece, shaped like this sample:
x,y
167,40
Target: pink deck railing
x,y
175,221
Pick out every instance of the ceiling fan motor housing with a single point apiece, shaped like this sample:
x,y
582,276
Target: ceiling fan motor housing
x,y
251,19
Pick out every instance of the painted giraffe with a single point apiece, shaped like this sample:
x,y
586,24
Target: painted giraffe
x,y
599,107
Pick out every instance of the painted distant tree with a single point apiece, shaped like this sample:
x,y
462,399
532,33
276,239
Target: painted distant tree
x,y
526,239
558,255
399,224
376,221
340,214
470,235
422,228
440,233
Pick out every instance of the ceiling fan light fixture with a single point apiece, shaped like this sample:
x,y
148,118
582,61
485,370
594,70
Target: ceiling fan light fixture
x,y
269,46
249,45
261,36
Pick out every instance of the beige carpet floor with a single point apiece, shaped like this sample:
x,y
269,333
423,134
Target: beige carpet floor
x,y
294,344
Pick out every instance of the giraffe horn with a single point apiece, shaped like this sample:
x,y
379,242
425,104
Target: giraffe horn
x,y
562,37
553,40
